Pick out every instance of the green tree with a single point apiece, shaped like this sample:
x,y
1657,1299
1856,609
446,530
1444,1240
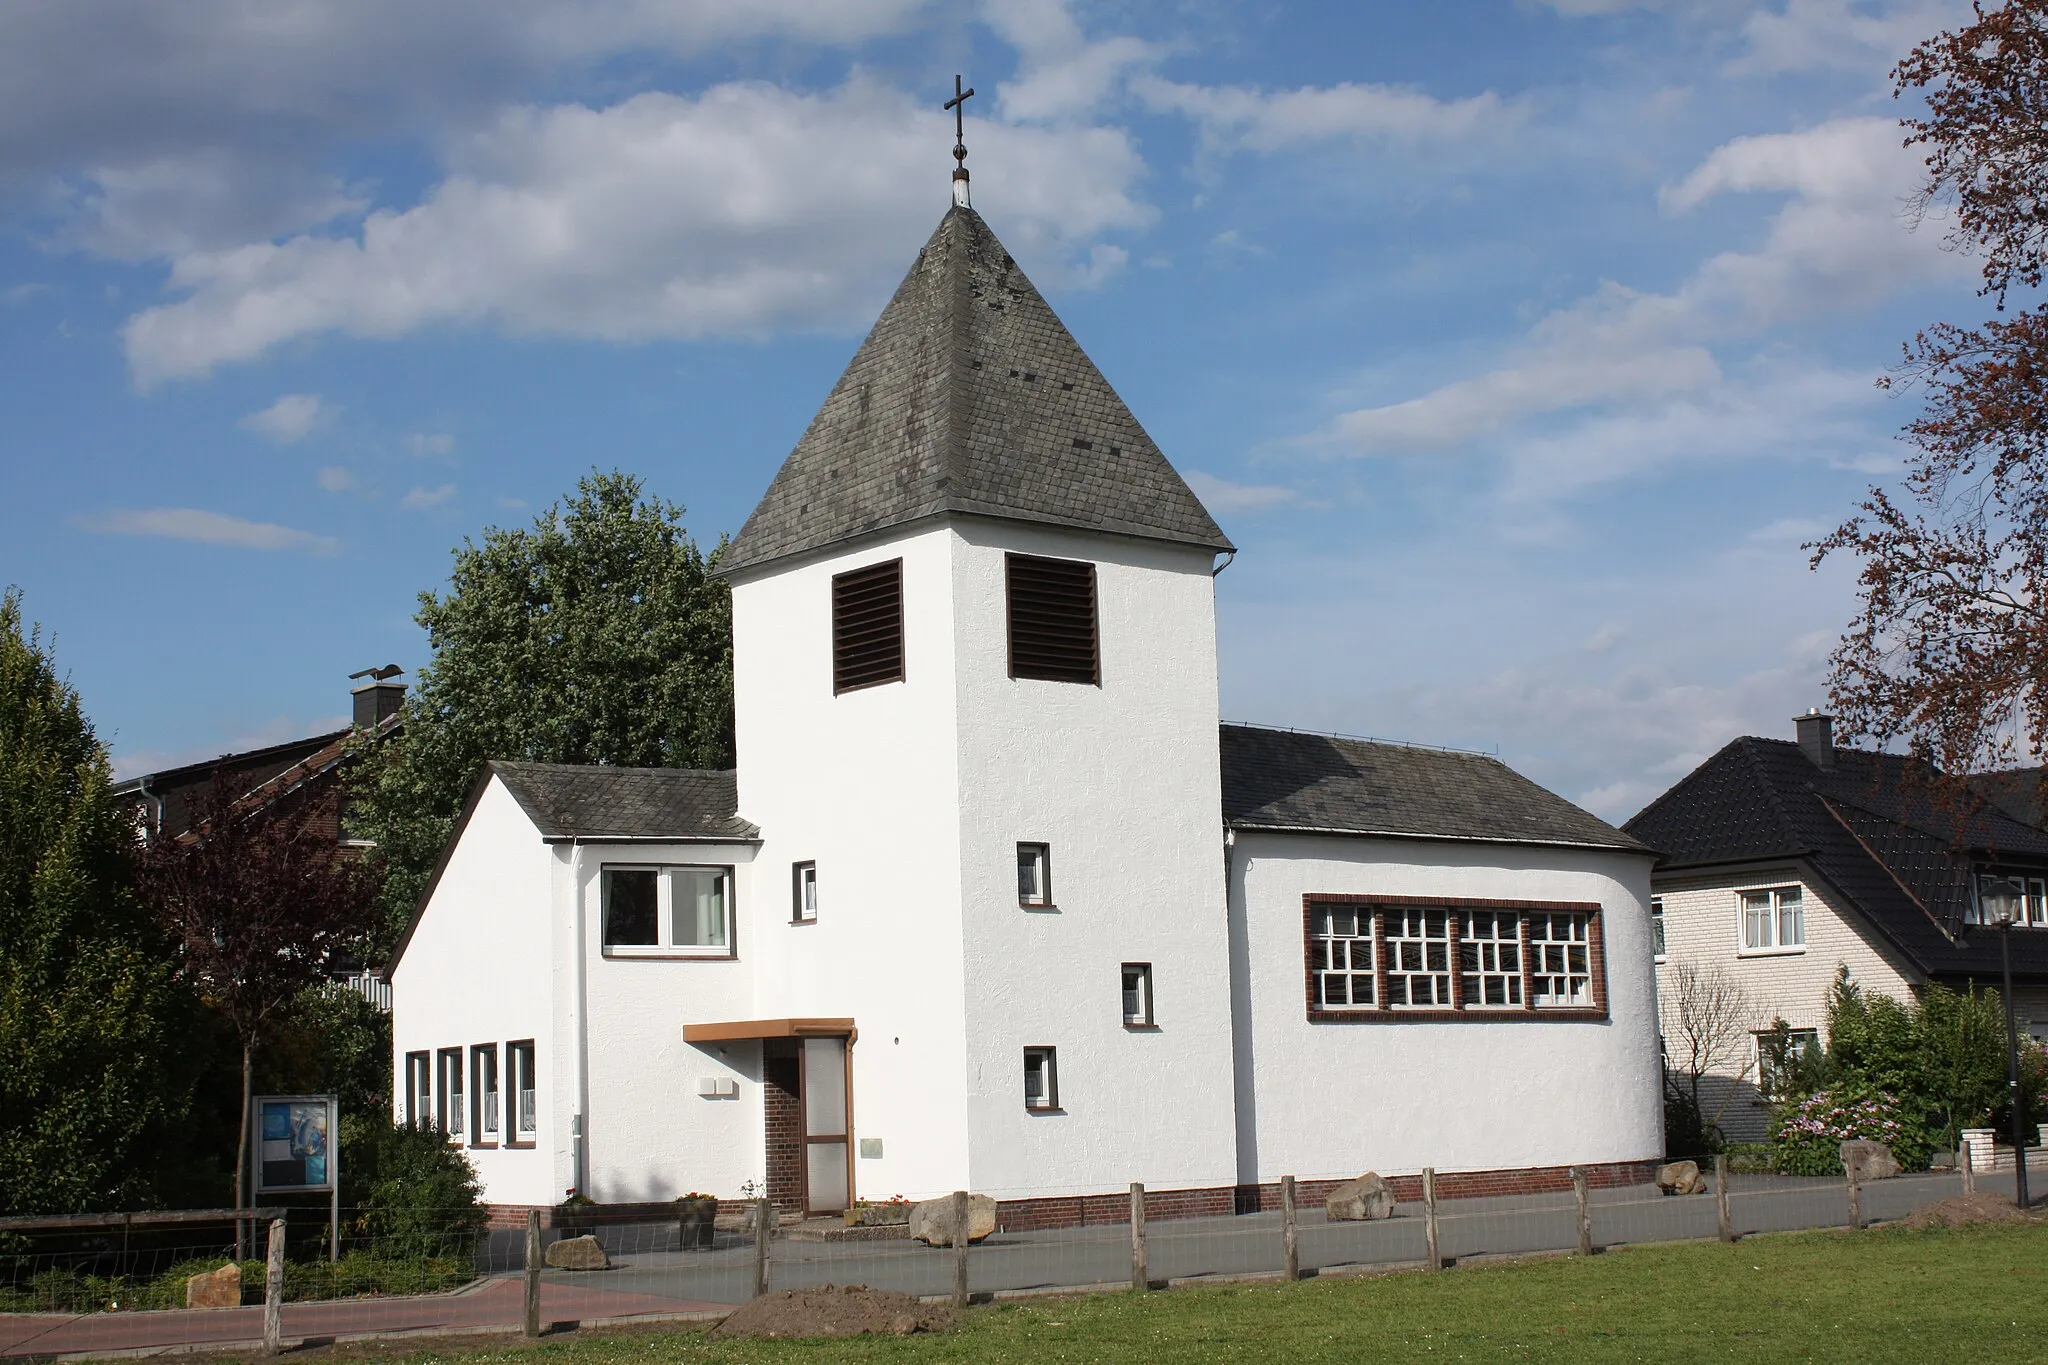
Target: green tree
x,y
94,1076
597,635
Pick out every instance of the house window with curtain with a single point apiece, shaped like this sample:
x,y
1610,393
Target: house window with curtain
x,y
1774,920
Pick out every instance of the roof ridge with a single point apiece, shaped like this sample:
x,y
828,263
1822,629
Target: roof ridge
x,y
1366,739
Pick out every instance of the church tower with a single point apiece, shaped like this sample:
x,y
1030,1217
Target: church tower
x,y
975,692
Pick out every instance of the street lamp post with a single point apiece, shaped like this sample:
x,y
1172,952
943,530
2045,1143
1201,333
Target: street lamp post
x,y
2003,903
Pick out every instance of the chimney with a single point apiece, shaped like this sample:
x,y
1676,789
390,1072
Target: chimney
x,y
1817,737
377,698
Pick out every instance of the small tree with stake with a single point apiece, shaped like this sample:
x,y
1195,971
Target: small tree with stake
x,y
262,903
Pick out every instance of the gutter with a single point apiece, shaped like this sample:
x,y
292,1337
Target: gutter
x,y
1636,849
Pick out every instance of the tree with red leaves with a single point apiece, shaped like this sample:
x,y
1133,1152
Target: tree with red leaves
x,y
261,903
1950,649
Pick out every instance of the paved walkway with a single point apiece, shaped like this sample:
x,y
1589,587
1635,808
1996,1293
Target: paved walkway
x,y
651,1277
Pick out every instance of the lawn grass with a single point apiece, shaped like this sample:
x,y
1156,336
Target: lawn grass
x,y
1887,1294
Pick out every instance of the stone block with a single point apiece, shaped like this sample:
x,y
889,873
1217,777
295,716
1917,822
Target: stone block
x,y
1680,1177
577,1253
216,1288
1367,1197
1866,1161
932,1221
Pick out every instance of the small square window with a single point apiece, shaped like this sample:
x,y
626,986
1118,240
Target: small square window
x,y
1137,995
1034,874
1041,1078
803,893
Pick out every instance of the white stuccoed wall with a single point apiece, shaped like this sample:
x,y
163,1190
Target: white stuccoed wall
x,y
480,969
649,1134
1122,781
867,785
1332,1100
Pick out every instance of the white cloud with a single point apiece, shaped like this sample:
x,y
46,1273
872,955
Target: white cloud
x,y
420,499
335,479
1788,531
205,528
1233,116
660,216
290,419
1061,73
1838,244
426,443
1221,495
1851,34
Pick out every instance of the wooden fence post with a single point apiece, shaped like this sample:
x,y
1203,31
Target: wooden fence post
x,y
1969,1166
960,1231
1585,1212
1855,1198
1141,1269
1432,1255
273,1291
1722,1215
764,1230
533,1263
1290,1232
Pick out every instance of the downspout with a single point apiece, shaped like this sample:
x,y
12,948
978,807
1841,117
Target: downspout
x,y
579,1156
156,802
1229,558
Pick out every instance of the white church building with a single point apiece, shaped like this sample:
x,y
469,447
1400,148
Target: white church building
x,y
991,901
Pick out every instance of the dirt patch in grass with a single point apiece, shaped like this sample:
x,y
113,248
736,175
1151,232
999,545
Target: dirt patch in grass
x,y
848,1311
1964,1210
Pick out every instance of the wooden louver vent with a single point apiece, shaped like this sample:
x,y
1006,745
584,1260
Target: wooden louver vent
x,y
1052,619
867,626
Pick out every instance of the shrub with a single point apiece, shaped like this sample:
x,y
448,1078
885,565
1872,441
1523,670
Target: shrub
x,y
418,1196
1687,1134
1807,1134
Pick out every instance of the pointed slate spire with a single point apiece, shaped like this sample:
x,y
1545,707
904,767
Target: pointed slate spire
x,y
970,397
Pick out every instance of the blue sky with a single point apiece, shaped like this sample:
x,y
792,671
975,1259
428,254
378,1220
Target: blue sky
x,y
1518,345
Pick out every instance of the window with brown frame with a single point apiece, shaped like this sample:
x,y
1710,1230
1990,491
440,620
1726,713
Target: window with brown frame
x,y
1390,958
867,626
1052,619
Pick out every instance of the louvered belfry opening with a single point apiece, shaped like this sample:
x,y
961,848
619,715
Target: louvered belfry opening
x,y
867,626
1052,620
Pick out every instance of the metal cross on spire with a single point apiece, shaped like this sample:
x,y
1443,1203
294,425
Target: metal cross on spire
x,y
959,140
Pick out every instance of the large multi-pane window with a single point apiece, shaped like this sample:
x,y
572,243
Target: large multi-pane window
x,y
1773,920
1490,959
1378,957
1340,956
2031,894
1418,950
1560,960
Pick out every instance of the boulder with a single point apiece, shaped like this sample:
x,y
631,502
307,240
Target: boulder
x,y
932,1221
1680,1177
216,1288
1868,1160
1367,1197
577,1253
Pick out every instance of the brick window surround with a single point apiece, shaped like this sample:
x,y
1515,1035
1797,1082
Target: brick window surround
x,y
1380,907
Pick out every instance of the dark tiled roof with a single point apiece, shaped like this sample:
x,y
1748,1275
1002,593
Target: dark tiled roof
x,y
969,396
1871,826
1279,779
576,801
2018,792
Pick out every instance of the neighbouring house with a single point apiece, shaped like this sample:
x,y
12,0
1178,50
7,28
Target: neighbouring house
x,y
991,901
1786,860
163,804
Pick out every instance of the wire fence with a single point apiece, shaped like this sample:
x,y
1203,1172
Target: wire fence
x,y
141,1282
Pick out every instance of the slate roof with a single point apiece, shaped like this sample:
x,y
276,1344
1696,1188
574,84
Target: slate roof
x,y
575,801
970,396
1870,827
1284,780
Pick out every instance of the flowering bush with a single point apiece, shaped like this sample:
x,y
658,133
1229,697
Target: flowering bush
x,y
1807,1135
